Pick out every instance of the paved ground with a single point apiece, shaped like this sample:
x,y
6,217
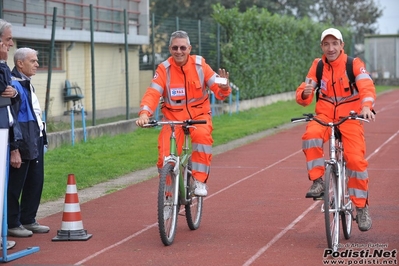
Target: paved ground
x,y
255,214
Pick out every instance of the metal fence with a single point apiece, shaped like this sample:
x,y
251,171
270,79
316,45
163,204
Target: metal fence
x,y
382,58
205,36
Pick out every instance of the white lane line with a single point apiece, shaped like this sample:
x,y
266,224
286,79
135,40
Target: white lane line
x,y
251,175
262,250
382,145
279,235
155,224
116,244
282,233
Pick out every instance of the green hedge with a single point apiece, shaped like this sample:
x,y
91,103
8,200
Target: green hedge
x,y
268,54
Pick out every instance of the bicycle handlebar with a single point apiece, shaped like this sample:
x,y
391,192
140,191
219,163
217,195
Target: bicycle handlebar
x,y
188,122
309,117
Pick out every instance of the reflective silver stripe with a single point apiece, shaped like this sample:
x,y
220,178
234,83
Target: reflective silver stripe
x,y
201,167
314,84
317,162
211,81
343,99
166,64
146,108
167,99
358,175
198,60
202,148
362,76
361,194
311,143
156,87
369,99
200,72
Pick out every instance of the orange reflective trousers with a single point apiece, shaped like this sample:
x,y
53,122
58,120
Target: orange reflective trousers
x,y
354,152
201,142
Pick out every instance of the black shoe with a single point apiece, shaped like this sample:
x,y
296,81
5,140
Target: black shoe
x,y
317,189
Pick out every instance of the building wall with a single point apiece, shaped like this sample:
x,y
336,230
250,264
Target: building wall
x,y
109,81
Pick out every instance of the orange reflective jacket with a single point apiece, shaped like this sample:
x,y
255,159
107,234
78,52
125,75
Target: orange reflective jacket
x,y
183,89
335,96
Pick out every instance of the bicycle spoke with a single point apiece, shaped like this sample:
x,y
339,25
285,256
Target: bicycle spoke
x,y
194,208
347,215
167,210
331,214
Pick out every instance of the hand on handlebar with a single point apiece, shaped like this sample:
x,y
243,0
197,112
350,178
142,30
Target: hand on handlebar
x,y
142,120
367,113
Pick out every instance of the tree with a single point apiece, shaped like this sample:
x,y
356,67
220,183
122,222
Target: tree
x,y
358,15
199,9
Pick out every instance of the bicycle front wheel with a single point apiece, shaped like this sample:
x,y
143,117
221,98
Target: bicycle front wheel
x,y
331,214
347,213
167,210
194,208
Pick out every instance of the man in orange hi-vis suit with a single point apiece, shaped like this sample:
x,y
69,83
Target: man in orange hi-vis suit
x,y
336,99
182,81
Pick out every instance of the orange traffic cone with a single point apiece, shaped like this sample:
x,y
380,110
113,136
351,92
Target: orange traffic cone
x,y
72,225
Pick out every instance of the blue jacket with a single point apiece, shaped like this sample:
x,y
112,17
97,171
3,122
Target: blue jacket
x,y
26,119
15,132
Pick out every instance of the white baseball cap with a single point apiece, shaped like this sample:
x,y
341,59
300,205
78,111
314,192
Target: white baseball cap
x,y
331,31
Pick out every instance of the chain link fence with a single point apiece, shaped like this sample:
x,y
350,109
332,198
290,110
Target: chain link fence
x,y
382,58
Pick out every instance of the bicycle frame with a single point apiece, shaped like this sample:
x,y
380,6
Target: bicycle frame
x,y
336,201
335,147
176,170
180,162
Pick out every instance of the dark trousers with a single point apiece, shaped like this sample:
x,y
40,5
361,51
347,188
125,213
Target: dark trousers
x,y
25,185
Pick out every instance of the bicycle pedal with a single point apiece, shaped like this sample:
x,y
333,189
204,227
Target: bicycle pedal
x,y
318,198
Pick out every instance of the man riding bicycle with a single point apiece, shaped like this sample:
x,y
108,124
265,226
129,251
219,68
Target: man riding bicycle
x,y
336,98
182,82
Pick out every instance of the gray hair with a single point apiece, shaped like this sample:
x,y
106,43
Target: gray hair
x,y
4,25
22,53
179,34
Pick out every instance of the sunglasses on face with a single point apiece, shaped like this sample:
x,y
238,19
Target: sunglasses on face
x,y
182,48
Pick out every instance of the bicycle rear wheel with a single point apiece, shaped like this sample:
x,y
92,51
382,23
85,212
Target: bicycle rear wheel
x,y
331,214
347,214
194,208
167,210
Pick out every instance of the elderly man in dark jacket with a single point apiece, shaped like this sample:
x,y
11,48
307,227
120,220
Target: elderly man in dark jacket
x,y
26,182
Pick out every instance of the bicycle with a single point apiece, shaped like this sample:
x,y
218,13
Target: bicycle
x,y
176,184
337,204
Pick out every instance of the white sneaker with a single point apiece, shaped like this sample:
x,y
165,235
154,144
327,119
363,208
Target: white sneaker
x,y
200,189
10,244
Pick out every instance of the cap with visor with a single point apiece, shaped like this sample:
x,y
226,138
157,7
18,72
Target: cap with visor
x,y
331,31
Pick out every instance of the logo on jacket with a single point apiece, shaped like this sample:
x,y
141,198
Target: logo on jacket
x,y
323,85
363,70
156,75
177,92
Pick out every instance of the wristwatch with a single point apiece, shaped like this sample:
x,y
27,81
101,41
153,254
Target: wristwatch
x,y
3,61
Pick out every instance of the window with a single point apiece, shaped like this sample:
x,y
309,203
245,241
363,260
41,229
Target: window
x,y
43,49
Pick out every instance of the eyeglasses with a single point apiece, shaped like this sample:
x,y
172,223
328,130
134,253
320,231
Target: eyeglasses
x,y
182,48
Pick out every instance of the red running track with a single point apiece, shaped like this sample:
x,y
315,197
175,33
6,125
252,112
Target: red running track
x,y
256,212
